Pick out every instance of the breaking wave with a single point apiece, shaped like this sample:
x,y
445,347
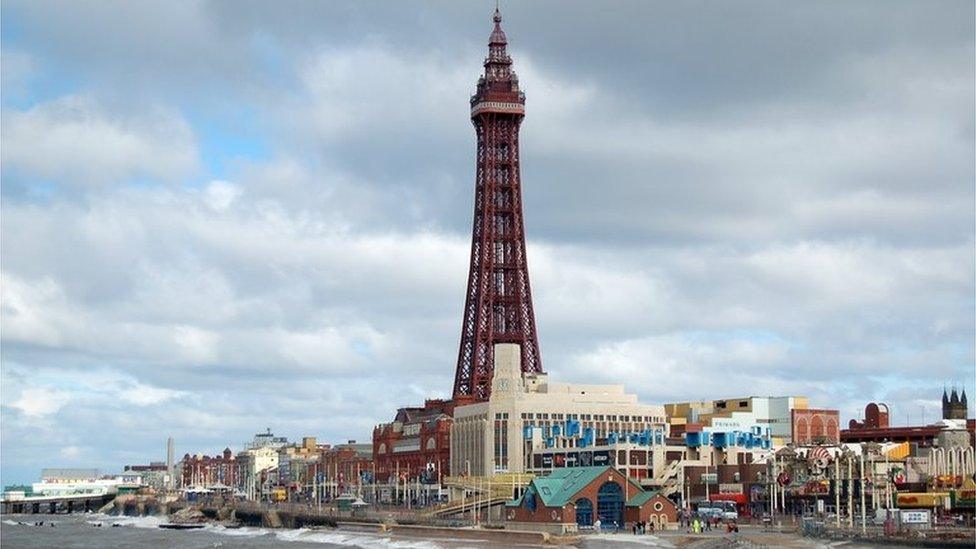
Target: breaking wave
x,y
366,541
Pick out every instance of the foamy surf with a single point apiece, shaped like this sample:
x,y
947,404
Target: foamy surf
x,y
135,522
348,539
647,540
242,532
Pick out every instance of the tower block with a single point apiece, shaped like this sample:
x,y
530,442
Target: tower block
x,y
498,303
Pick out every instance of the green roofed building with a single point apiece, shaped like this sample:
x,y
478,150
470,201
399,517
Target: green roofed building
x,y
575,498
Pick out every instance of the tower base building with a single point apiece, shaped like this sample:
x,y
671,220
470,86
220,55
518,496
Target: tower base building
x,y
526,413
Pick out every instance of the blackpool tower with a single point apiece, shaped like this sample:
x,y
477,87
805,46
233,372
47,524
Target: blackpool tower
x,y
498,303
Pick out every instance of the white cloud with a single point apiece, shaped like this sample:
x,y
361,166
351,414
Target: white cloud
x,y
41,402
76,141
199,346
26,307
145,395
221,194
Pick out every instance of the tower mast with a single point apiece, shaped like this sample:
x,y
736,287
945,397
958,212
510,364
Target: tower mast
x,y
498,304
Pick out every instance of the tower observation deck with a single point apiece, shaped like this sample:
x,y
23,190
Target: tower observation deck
x,y
498,302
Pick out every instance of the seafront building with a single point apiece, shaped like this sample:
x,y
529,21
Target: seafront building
x,y
526,412
741,414
415,445
68,481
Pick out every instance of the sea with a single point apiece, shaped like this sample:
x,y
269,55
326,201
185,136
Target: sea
x,y
96,530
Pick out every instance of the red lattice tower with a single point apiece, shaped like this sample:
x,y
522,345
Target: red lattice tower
x,y
498,305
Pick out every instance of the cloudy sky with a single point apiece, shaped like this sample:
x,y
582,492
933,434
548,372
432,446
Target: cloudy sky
x,y
219,217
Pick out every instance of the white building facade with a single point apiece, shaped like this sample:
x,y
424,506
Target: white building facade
x,y
527,412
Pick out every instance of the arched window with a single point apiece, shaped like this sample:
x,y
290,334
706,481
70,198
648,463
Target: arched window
x,y
610,504
382,447
832,433
801,430
431,443
584,512
817,431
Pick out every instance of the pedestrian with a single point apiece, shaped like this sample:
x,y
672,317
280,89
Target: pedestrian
x,y
634,528
596,526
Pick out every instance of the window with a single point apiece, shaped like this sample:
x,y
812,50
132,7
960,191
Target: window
x,y
743,403
584,512
610,504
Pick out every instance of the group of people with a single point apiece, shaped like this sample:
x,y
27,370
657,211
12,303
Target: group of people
x,y
696,524
640,528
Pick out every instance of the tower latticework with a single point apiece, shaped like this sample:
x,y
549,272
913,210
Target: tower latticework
x,y
498,303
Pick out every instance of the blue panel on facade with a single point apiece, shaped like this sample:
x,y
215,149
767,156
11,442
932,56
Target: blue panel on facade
x,y
527,432
720,440
612,438
693,440
556,430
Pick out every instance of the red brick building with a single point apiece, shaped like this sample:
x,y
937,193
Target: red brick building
x,y
209,471
416,444
345,466
571,498
815,426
